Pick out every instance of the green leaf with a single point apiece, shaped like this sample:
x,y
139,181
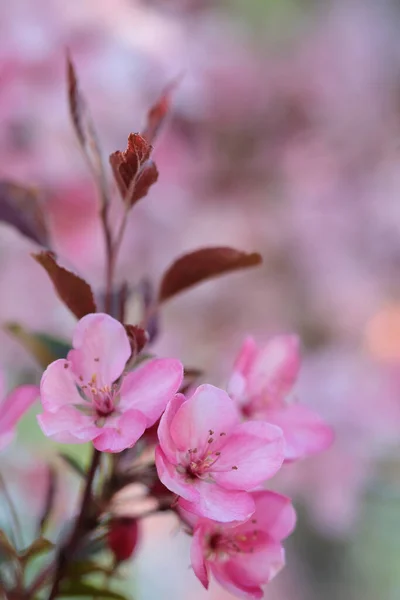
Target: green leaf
x,y
44,348
58,348
73,463
6,548
39,546
87,590
88,567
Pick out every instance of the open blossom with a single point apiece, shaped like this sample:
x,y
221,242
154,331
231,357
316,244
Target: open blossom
x,y
211,459
261,383
12,408
246,556
87,397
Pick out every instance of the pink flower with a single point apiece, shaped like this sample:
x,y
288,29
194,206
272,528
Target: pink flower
x,y
88,397
261,382
12,408
244,557
212,460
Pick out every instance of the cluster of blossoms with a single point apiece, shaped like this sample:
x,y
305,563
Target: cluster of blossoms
x,y
215,450
203,452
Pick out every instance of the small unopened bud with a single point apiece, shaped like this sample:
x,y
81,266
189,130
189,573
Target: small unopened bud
x,y
123,537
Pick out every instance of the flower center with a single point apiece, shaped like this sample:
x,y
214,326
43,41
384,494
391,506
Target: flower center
x,y
102,398
222,545
199,465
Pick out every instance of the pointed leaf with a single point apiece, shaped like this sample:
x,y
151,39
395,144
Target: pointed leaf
x,y
20,207
72,588
138,338
85,130
75,292
73,464
33,343
44,348
158,113
49,499
133,170
88,567
38,547
203,264
6,548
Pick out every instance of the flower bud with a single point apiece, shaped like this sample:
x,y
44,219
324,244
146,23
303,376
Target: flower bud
x,y
122,537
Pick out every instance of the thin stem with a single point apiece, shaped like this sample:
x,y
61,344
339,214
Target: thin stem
x,y
110,261
79,528
17,533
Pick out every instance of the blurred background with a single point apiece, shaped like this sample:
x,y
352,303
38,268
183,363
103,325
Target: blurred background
x,y
284,137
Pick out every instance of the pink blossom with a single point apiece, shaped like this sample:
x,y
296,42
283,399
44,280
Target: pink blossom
x,y
261,382
212,460
88,397
246,556
12,408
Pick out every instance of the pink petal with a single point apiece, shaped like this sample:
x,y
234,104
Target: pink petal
x,y
58,387
68,426
197,557
219,504
248,571
173,480
101,348
275,368
208,410
121,433
274,515
222,573
15,405
164,435
304,431
150,387
246,356
253,453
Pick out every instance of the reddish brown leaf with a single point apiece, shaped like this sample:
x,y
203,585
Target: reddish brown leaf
x,y
75,292
158,112
138,338
146,178
133,170
85,130
20,207
203,264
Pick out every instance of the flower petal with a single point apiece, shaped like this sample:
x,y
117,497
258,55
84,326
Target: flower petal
x,y
246,356
68,426
304,431
150,387
15,404
101,349
121,433
210,412
222,573
274,515
248,571
275,368
173,480
218,504
57,387
164,435
253,453
197,557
